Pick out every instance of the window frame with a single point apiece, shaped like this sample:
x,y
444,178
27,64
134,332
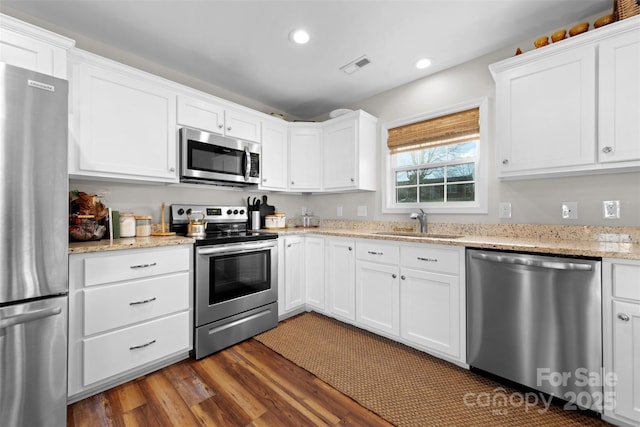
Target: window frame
x,y
481,168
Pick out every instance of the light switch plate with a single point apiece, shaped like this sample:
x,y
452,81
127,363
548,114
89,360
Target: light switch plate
x,y
339,211
362,211
570,210
611,209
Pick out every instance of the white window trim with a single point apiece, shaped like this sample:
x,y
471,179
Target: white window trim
x,y
480,206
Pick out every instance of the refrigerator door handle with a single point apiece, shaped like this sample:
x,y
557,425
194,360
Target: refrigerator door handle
x,y
18,319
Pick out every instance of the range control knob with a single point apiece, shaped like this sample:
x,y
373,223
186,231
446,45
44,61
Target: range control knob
x,y
235,212
241,211
229,212
180,211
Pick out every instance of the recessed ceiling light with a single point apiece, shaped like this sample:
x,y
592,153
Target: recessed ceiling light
x,y
299,36
423,63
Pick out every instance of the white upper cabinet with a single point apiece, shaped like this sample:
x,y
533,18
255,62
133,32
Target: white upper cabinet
x,y
305,157
619,94
349,152
273,164
571,107
33,48
122,122
205,113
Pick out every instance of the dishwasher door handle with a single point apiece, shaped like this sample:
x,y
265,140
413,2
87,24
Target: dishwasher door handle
x,y
518,260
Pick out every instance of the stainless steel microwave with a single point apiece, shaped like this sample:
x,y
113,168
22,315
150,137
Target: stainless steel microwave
x,y
216,159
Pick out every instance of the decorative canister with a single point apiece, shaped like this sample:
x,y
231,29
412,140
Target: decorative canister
x,y
127,224
271,221
143,225
281,219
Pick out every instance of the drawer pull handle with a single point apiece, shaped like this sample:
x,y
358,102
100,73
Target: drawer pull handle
x,y
375,253
623,317
153,264
143,301
428,259
403,277
136,347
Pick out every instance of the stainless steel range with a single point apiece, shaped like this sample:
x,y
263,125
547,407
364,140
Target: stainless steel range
x,y
236,276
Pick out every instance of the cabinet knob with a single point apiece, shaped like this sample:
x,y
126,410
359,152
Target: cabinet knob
x,y
350,248
353,180
394,275
229,128
623,317
607,149
172,169
403,277
264,179
220,126
505,162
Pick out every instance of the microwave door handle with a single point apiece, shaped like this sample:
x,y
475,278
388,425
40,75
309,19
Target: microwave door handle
x,y
247,163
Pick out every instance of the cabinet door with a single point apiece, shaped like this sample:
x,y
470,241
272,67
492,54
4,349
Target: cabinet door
x,y
273,164
619,97
305,159
626,359
200,114
546,113
429,307
314,272
238,124
339,155
378,297
294,273
341,279
126,126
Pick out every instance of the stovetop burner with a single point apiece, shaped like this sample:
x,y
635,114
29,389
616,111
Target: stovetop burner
x,y
224,224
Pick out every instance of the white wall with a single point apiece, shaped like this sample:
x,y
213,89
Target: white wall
x,y
533,201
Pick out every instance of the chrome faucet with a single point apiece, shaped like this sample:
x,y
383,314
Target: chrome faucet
x,y
422,217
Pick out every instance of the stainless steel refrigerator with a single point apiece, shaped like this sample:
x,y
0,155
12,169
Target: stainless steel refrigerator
x,y
33,248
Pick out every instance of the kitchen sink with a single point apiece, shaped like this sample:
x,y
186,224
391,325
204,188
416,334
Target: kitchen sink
x,y
418,235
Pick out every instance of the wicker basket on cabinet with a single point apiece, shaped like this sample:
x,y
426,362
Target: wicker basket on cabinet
x,y
625,8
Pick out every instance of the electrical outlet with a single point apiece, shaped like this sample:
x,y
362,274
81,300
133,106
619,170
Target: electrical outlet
x,y
570,210
303,210
362,211
504,210
339,211
611,209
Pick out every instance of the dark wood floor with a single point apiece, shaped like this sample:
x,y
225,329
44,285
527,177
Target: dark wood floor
x,y
245,385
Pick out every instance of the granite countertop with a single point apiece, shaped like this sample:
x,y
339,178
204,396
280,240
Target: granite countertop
x,y
557,240
586,241
128,243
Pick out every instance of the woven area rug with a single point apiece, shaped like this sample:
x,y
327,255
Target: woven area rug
x,y
405,386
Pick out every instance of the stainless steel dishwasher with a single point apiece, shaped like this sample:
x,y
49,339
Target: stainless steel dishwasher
x,y
536,320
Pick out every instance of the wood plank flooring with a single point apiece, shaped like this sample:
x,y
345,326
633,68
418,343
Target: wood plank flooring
x,y
245,385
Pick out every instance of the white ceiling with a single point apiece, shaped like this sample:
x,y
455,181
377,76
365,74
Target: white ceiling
x,y
242,46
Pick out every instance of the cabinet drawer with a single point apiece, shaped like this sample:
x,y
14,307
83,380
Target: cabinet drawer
x,y
134,265
114,306
626,281
378,252
119,351
431,258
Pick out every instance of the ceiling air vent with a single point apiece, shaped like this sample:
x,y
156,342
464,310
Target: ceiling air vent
x,y
355,65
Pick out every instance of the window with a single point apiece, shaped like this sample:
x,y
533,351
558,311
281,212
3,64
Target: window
x,y
434,162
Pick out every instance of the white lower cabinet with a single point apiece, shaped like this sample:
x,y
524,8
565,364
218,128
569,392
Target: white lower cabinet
x,y
340,279
130,313
378,287
314,248
294,273
621,339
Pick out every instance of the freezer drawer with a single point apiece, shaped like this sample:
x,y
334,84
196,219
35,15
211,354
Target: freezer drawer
x,y
33,372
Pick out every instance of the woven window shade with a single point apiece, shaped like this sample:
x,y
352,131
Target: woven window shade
x,y
450,129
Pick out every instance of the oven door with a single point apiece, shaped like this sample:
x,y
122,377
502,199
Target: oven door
x,y
210,157
234,278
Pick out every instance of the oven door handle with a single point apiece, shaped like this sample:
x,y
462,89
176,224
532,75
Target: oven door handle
x,y
242,247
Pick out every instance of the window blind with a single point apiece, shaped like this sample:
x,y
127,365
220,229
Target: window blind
x,y
452,128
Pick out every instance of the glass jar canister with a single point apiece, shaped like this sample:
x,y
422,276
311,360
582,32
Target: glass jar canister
x,y
143,226
127,224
